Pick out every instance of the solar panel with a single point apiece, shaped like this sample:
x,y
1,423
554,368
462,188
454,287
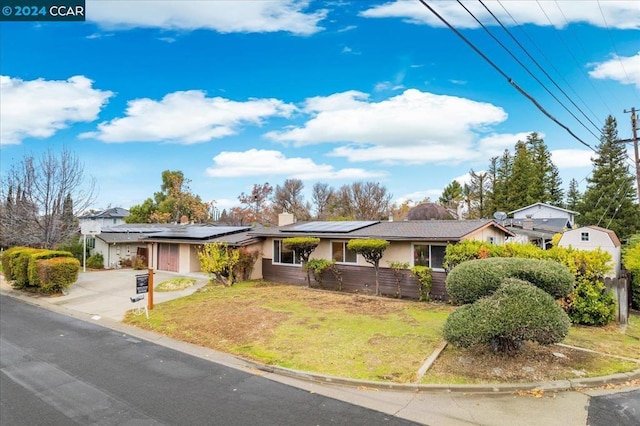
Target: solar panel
x,y
330,227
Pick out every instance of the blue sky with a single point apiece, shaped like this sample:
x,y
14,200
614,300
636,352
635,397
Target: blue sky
x,y
235,93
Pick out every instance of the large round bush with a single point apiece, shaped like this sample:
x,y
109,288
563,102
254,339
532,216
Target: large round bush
x,y
515,313
474,279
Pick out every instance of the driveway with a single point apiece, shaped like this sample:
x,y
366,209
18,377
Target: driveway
x,y
107,293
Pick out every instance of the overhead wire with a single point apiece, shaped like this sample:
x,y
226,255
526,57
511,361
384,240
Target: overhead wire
x,y
503,74
613,43
590,81
543,71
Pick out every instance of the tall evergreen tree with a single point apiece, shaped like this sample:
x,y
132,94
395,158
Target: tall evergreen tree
x,y
573,196
522,179
451,195
610,198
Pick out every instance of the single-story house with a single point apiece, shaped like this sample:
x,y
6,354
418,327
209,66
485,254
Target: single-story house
x,y
593,238
421,242
168,247
176,249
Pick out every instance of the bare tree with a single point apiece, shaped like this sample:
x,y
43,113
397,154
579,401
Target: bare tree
x,y
370,200
321,195
39,194
288,198
255,206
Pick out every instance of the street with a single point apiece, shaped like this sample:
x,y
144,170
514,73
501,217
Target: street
x,y
58,370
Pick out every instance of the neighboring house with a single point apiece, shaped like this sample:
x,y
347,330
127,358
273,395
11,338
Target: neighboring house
x,y
176,248
538,223
168,247
414,242
545,211
593,238
106,218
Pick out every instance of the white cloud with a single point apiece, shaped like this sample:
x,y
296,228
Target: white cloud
x,y
39,108
258,162
625,69
495,144
618,14
221,16
572,158
347,28
186,117
413,127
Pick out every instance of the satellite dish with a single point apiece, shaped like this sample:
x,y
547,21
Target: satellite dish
x,y
500,216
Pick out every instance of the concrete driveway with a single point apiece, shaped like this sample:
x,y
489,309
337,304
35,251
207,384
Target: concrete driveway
x,y
107,293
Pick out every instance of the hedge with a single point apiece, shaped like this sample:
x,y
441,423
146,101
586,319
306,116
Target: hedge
x,y
57,273
32,269
474,279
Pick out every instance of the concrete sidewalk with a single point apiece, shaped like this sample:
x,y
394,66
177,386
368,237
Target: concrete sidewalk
x,y
104,297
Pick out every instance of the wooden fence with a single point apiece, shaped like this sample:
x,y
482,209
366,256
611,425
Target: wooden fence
x,y
358,279
620,289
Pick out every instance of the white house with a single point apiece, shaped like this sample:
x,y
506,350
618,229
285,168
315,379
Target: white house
x,y
110,217
592,238
544,211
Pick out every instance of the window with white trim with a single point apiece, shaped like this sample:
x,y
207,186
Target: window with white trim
x,y
281,254
428,255
341,254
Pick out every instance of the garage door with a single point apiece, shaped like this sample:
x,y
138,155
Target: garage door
x,y
168,256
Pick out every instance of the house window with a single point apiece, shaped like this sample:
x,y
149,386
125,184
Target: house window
x,y
91,242
281,254
428,255
584,236
341,254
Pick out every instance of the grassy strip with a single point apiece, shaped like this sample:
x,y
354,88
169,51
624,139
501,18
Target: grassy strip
x,y
175,284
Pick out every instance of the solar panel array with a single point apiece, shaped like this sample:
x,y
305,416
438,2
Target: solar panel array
x,y
330,227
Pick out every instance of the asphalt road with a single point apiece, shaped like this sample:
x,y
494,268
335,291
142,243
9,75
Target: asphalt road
x,y
58,370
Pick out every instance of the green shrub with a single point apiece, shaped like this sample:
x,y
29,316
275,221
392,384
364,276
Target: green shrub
x,y
471,280
19,266
58,273
73,245
318,267
398,274
7,259
32,269
591,304
516,312
96,261
424,276
631,261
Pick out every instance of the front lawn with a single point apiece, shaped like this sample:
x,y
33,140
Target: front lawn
x,y
349,335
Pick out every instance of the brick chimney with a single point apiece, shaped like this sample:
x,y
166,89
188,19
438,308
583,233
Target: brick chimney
x,y
527,223
286,219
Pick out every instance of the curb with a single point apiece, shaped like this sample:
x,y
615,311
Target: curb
x,y
237,362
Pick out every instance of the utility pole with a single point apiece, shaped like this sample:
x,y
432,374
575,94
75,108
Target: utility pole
x,y
634,140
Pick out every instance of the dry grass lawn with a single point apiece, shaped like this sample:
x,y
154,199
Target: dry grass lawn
x,y
357,336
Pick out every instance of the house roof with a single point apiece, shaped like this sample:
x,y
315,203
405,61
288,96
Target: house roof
x,y
121,237
115,212
612,235
414,230
550,225
202,234
545,205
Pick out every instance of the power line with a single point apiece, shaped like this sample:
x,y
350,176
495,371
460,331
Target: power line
x,y
543,71
575,60
502,73
615,49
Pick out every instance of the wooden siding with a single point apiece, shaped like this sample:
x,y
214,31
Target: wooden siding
x,y
357,279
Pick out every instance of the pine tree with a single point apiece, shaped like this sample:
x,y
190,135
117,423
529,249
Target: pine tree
x,y
451,195
573,196
609,200
522,179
